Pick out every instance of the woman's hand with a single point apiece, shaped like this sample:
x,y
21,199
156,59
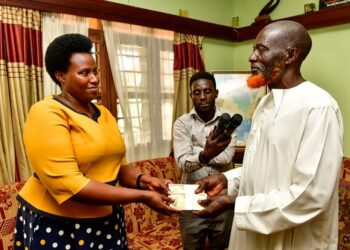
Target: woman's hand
x,y
160,203
155,184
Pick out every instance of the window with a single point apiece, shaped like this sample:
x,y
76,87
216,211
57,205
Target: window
x,y
135,66
147,93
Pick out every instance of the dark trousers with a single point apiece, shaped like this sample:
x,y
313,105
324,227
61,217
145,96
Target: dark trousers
x,y
195,231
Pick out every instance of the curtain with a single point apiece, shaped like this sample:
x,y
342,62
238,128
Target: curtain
x,y
54,25
187,61
20,85
141,60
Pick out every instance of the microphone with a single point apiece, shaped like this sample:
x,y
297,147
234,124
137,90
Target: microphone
x,y
224,122
235,122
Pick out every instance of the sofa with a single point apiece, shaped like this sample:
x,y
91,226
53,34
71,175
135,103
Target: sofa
x,y
8,211
149,230
146,229
344,206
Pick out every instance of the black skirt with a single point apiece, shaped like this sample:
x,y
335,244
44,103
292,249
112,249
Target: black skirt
x,y
35,231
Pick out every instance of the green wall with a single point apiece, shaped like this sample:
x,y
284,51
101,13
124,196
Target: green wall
x,y
325,66
218,11
327,62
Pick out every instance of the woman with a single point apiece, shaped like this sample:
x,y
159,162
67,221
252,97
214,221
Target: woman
x,y
78,155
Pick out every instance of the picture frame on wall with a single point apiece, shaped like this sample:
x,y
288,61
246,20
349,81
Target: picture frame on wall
x,y
236,97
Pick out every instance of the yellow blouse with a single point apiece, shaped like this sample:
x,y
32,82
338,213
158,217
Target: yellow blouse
x,y
66,149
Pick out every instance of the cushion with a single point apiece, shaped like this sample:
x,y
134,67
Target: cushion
x,y
8,212
344,207
163,235
139,216
146,228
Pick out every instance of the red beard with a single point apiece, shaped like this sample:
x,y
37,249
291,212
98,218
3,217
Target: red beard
x,y
256,81
259,80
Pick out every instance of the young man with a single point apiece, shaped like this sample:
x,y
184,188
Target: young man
x,y
288,184
199,153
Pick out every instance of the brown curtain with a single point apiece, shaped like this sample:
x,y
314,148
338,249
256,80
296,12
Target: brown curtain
x,y
21,85
188,60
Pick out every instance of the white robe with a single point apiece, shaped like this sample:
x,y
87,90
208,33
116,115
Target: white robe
x,y
288,183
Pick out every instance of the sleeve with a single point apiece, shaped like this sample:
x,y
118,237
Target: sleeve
x,y
233,177
186,155
314,180
50,152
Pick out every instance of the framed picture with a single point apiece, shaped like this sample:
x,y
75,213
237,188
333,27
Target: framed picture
x,y
236,97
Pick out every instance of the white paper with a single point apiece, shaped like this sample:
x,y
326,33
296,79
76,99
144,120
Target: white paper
x,y
184,196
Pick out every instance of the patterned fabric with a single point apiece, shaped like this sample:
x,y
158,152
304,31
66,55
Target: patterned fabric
x,y
8,211
188,60
163,235
346,169
21,85
139,217
158,232
83,234
147,229
344,207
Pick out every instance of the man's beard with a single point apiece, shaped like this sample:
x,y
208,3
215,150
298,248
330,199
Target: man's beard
x,y
259,80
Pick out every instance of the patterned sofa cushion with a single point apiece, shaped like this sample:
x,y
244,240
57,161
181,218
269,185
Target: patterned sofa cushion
x,y
146,228
138,216
8,211
344,207
163,235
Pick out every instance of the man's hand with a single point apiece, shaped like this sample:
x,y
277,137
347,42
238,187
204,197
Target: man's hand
x,y
214,147
213,206
212,185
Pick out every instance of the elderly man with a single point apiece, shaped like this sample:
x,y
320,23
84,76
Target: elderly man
x,y
286,193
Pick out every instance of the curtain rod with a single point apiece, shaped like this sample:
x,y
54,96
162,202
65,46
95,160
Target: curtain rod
x,y
128,14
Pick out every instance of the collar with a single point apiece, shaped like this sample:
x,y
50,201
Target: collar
x,y
279,94
216,116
